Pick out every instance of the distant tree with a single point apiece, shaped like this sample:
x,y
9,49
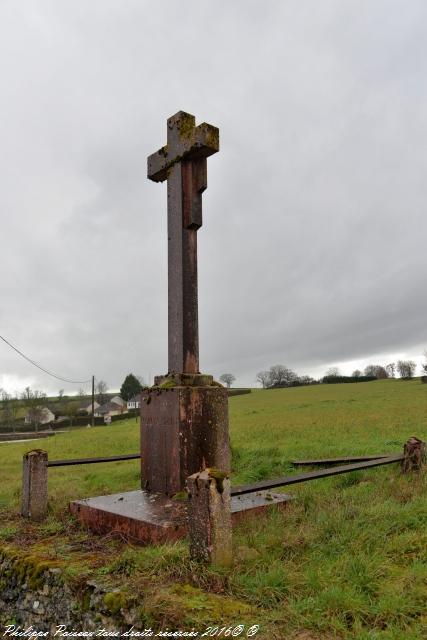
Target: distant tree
x,y
10,409
406,368
263,377
33,402
131,387
227,378
391,369
71,411
376,370
424,365
333,372
60,394
81,393
306,380
101,391
356,373
281,376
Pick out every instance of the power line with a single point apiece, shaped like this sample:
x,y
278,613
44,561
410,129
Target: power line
x,y
42,368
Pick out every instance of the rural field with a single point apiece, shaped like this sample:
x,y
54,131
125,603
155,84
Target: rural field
x,y
347,558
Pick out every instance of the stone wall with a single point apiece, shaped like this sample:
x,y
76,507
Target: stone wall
x,y
33,592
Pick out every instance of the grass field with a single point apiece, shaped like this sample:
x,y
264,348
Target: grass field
x,y
347,559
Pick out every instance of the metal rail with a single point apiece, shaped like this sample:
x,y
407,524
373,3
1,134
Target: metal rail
x,y
67,463
338,460
263,485
313,475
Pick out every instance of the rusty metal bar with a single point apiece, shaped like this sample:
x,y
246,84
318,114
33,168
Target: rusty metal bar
x,y
67,463
338,460
313,475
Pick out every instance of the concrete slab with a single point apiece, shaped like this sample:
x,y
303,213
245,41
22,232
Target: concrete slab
x,y
154,518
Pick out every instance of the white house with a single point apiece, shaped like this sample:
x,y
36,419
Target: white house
x,y
111,408
39,415
86,405
118,400
134,402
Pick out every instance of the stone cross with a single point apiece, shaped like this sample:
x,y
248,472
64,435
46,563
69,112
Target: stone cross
x,y
182,162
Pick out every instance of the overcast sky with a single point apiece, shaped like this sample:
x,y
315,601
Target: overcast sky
x,y
313,248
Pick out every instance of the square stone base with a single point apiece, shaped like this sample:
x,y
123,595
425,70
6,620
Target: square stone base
x,y
154,518
183,429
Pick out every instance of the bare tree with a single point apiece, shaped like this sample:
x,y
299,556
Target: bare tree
x,y
32,401
424,365
391,369
227,378
281,376
356,373
406,368
333,372
263,377
10,409
101,390
376,371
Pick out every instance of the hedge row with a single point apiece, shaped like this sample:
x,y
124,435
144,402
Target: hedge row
x,y
18,427
80,421
238,392
344,379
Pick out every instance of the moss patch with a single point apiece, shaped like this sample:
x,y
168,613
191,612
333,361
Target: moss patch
x,y
188,605
114,601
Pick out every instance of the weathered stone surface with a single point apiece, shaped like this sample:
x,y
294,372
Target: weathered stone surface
x,y
209,517
34,593
414,453
88,605
182,162
34,485
138,515
184,429
147,517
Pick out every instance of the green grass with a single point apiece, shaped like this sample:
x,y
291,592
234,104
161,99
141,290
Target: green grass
x,y
346,559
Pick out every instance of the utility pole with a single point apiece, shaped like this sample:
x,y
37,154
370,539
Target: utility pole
x,y
93,400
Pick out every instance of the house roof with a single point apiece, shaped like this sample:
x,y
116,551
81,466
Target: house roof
x,y
39,408
109,406
136,398
88,403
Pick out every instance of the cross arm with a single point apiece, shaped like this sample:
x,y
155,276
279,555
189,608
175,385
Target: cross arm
x,y
186,143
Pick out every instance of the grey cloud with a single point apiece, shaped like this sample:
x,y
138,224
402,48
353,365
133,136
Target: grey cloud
x,y
313,244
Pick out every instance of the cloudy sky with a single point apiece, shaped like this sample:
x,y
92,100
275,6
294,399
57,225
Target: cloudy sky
x,y
313,249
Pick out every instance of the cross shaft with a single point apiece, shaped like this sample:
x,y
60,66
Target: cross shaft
x,y
182,162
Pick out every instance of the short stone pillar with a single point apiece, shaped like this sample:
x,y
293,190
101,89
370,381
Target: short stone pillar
x,y
209,517
34,485
414,455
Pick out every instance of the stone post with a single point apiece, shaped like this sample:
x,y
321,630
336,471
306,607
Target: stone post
x,y
34,485
414,452
209,517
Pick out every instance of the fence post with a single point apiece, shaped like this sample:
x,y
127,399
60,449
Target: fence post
x,y
209,517
414,455
34,485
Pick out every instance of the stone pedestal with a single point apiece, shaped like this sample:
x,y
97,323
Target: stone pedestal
x,y
146,517
184,429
